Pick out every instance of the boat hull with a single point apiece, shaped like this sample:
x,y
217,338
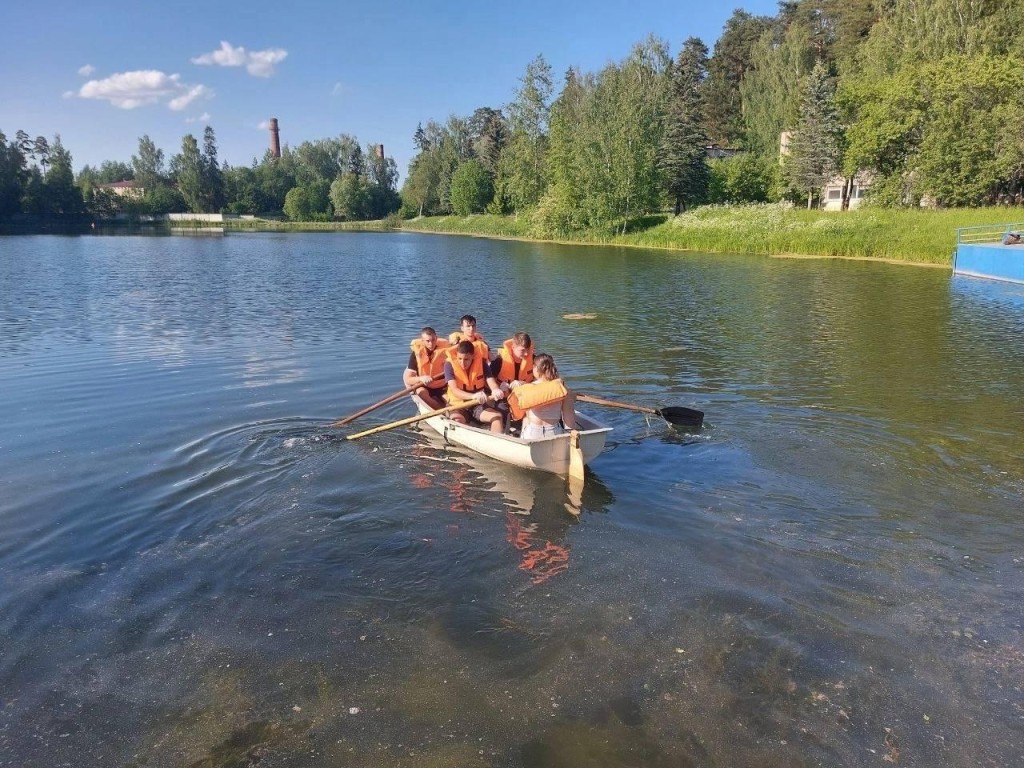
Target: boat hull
x,y
548,454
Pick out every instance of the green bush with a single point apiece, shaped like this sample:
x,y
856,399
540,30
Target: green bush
x,y
471,188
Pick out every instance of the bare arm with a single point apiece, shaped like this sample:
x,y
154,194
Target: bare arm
x,y
457,392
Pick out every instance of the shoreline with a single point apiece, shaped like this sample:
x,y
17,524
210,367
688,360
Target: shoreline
x,y
679,248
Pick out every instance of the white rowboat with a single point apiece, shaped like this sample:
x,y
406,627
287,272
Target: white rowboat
x,y
548,454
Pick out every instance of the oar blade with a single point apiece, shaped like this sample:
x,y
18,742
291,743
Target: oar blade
x,y
684,417
576,469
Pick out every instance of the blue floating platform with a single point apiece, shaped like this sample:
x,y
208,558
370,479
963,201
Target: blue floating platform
x,y
980,253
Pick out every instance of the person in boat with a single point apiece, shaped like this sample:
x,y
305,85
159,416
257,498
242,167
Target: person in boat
x,y
426,368
467,332
545,405
469,376
514,364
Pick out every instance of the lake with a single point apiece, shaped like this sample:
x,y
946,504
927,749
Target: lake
x,y
196,569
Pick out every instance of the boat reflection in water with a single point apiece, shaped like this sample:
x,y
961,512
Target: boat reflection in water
x,y
540,508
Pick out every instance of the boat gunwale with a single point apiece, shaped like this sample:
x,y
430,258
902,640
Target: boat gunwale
x,y
422,407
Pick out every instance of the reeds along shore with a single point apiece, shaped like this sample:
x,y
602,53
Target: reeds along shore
x,y
912,236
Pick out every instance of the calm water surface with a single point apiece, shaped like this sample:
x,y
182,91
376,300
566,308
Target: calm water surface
x,y
197,570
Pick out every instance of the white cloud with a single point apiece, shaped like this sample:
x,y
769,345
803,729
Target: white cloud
x,y
203,118
261,63
129,90
338,89
87,70
180,102
69,94
263,125
257,63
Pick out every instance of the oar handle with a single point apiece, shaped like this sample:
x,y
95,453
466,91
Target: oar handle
x,y
414,419
615,404
385,401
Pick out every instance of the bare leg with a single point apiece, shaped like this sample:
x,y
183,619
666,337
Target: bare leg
x,y
494,418
434,401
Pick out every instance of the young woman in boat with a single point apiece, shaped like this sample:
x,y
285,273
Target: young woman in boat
x,y
544,403
426,368
468,374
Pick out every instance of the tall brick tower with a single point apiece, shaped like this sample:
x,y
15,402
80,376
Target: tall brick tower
x,y
275,138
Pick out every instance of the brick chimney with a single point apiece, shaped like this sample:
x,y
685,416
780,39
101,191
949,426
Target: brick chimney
x,y
380,151
275,138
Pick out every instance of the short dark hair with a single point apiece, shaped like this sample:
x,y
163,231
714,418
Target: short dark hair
x,y
467,319
522,337
466,347
427,329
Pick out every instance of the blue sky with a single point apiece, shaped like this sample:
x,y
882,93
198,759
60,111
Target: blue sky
x,y
104,73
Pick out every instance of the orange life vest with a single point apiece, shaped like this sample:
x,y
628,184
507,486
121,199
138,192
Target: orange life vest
x,y
510,369
474,379
430,366
539,393
456,336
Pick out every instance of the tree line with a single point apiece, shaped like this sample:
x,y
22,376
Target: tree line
x,y
919,99
319,180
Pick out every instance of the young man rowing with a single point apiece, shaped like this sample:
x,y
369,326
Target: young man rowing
x,y
468,373
426,368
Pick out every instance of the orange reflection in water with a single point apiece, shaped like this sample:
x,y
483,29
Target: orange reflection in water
x,y
541,558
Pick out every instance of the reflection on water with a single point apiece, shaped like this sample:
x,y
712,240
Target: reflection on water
x,y
196,569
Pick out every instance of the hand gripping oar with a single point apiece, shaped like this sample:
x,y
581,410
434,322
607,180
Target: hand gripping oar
x,y
385,401
673,414
414,419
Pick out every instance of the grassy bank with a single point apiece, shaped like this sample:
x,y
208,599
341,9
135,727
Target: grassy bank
x,y
914,236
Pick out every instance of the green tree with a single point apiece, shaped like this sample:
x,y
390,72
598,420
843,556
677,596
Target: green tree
x,y
606,133
188,170
489,135
12,174
731,60
350,196
771,90
383,184
63,198
521,166
419,192
297,204
213,177
816,144
743,178
471,188
242,191
276,176
148,165
683,155
974,99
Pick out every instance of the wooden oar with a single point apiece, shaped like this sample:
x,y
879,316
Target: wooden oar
x,y
385,401
414,419
673,414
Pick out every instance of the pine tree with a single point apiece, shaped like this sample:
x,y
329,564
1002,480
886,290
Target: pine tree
x,y
682,157
213,177
815,147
